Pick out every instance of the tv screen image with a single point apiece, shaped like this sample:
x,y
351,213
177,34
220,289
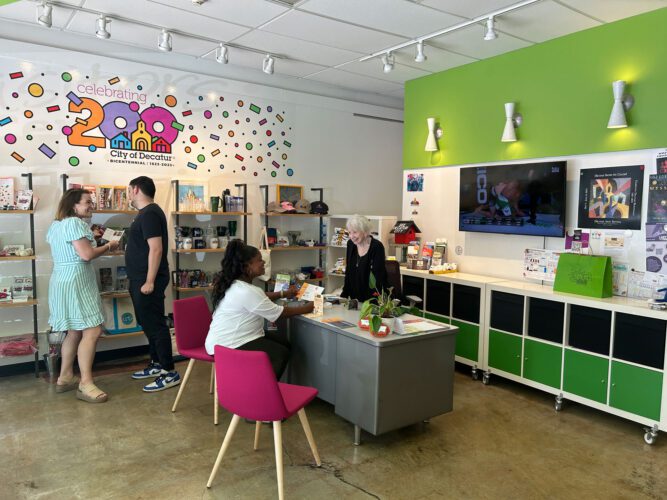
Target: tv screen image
x,y
526,199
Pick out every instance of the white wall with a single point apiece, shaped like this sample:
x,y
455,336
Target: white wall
x,y
357,160
502,255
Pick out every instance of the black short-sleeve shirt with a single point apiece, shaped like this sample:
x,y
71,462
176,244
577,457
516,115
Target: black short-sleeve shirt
x,y
150,222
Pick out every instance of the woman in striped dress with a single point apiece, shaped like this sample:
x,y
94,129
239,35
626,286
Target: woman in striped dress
x,y
74,299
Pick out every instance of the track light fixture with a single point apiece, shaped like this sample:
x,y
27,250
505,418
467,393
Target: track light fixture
x,y
267,64
388,62
164,41
222,54
102,24
490,29
45,14
420,57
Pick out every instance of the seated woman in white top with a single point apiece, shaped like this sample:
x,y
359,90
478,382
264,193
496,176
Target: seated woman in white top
x,y
241,308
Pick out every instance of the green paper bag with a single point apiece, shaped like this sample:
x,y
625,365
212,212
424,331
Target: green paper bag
x,y
584,275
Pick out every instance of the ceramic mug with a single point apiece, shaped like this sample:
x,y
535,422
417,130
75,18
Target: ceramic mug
x,y
199,244
197,232
187,243
231,225
215,203
213,243
221,230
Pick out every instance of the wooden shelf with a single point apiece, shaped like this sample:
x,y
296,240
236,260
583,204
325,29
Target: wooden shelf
x,y
193,289
182,212
284,249
197,250
16,257
336,274
115,211
337,246
12,212
114,295
294,215
25,303
120,335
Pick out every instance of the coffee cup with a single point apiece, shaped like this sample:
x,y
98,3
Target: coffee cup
x,y
199,244
213,243
197,232
221,230
215,203
187,243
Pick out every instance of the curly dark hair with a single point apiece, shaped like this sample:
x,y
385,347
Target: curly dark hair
x,y
237,256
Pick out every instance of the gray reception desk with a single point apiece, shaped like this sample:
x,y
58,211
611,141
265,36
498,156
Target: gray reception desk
x,y
377,384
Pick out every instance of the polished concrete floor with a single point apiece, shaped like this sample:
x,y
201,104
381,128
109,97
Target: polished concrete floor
x,y
502,441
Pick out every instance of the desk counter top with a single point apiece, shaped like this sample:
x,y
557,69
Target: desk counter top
x,y
339,312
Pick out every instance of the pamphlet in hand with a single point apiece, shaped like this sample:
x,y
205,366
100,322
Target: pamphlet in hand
x,y
113,234
308,292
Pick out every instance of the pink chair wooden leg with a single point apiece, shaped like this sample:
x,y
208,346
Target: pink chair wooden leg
x,y
225,444
191,363
216,406
258,426
210,385
278,443
309,436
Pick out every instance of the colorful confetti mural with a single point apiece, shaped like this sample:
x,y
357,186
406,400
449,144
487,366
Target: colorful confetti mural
x,y
75,119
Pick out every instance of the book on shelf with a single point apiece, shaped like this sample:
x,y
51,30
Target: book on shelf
x,y
122,281
24,199
22,288
120,199
339,237
6,191
106,279
92,189
105,198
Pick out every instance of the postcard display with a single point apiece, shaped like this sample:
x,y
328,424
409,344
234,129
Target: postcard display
x,y
18,288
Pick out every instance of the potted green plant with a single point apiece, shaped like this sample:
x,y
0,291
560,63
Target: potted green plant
x,y
380,310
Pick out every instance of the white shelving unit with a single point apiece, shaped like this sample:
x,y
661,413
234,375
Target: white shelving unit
x,y
381,225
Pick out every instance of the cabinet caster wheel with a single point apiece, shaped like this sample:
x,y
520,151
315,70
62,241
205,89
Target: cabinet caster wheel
x,y
558,406
651,434
486,378
474,374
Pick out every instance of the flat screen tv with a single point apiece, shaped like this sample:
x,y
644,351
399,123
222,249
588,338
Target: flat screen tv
x,y
526,198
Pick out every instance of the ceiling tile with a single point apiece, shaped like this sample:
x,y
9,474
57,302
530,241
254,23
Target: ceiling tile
x,y
353,81
470,42
468,8
436,59
393,16
304,26
613,10
133,34
168,17
373,68
251,13
297,49
531,23
27,12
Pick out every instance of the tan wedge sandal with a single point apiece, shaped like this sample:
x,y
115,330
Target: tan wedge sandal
x,y
72,384
91,394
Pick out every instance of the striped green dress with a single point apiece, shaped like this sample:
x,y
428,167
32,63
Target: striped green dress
x,y
74,299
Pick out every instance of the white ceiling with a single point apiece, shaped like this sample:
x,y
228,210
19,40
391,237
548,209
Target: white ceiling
x,y
321,41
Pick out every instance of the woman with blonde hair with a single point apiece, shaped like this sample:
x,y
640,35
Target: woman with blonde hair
x,y
74,299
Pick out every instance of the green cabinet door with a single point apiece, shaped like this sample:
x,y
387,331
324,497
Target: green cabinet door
x,y
586,375
467,340
636,390
542,362
505,352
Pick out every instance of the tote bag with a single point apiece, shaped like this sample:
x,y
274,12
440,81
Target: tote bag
x,y
584,275
266,255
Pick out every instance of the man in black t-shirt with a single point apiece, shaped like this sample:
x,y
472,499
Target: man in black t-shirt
x,y
148,273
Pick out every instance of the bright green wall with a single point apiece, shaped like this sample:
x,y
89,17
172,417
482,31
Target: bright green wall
x,y
563,90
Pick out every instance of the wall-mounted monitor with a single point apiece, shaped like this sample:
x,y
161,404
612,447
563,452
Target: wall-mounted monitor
x,y
526,198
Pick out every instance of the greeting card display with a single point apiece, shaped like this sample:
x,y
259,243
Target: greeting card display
x,y
6,191
611,198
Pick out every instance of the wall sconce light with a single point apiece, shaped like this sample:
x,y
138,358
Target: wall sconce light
x,y
512,121
434,133
622,103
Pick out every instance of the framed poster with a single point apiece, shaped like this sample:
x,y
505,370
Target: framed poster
x,y
288,193
611,198
190,195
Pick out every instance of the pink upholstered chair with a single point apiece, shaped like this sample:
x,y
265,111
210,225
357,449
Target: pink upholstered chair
x,y
247,388
192,319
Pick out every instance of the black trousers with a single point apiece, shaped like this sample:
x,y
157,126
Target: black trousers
x,y
149,310
276,346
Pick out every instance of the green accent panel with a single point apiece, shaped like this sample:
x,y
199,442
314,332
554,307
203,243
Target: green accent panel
x,y
636,390
562,88
5,2
505,352
467,341
586,375
435,317
542,363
